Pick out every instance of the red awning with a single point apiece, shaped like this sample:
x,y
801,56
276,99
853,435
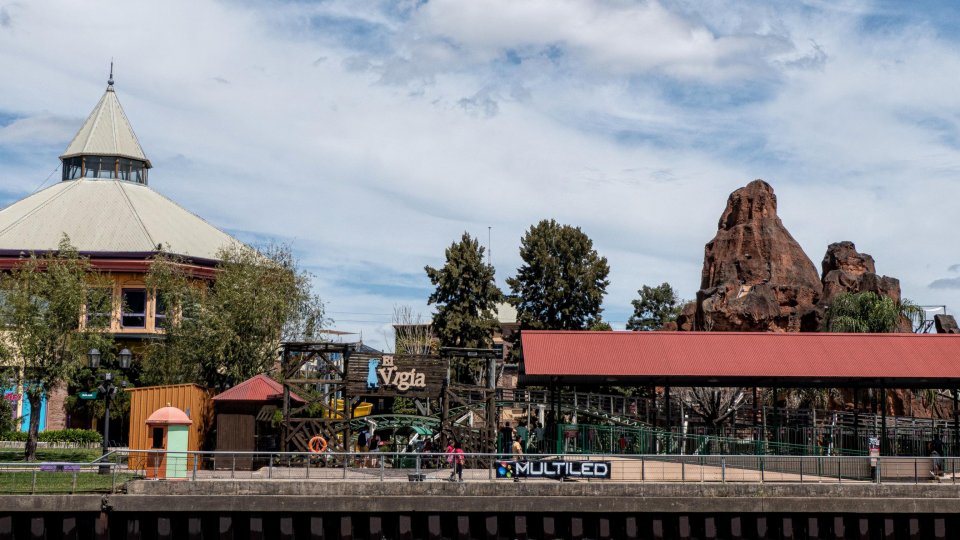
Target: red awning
x,y
741,359
257,388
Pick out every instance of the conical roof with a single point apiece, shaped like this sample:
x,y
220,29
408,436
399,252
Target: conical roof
x,y
106,132
112,216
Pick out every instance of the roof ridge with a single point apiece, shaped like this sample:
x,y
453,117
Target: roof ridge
x,y
136,214
42,204
132,132
113,121
97,116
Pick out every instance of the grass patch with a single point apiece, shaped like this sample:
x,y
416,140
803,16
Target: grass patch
x,y
61,482
73,455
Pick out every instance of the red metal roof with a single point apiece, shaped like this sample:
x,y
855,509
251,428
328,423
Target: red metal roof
x,y
717,357
258,388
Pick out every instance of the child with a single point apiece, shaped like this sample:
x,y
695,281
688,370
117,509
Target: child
x,y
456,459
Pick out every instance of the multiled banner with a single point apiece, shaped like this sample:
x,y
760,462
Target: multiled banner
x,y
553,469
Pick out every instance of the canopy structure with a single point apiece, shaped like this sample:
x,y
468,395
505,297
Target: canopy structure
x,y
741,359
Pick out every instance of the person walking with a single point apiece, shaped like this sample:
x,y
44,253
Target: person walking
x,y
506,438
456,458
524,433
538,435
362,448
516,452
936,455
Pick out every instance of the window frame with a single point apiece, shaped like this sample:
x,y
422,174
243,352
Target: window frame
x,y
124,314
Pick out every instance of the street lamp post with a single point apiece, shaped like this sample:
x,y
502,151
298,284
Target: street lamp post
x,y
108,389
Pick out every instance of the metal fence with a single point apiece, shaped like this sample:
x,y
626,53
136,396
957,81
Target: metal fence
x,y
64,477
779,440
439,467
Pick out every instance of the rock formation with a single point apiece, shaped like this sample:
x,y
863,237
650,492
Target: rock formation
x,y
946,324
845,270
755,277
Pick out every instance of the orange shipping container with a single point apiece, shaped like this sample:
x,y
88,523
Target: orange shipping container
x,y
192,399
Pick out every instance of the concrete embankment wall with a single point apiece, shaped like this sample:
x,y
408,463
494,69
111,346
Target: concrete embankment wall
x,y
495,510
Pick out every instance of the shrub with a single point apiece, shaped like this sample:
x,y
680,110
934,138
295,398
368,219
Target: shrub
x,y
72,436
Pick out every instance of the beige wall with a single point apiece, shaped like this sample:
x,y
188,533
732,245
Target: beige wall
x,y
125,280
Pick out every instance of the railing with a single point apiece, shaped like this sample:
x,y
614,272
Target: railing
x,y
63,477
437,467
588,438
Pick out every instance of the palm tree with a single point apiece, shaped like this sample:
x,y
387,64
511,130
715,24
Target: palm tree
x,y
868,312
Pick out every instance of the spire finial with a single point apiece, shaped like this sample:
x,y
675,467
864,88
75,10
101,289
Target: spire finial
x,y
110,80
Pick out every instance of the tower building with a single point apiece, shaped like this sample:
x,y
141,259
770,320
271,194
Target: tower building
x,y
105,204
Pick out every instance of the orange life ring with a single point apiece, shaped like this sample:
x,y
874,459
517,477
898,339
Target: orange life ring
x,y
317,444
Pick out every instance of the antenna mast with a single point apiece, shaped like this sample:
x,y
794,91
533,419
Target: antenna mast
x,y
489,251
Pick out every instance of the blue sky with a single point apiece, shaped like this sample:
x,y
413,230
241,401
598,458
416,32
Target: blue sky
x,y
370,135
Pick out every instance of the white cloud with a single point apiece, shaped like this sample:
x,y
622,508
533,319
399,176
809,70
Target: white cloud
x,y
371,138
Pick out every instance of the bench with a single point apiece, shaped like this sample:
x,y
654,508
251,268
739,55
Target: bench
x,y
58,466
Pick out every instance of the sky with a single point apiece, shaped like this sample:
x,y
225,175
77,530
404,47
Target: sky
x,y
370,135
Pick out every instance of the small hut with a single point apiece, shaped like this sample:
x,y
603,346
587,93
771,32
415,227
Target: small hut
x,y
245,417
194,400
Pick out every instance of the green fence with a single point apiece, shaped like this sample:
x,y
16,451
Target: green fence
x,y
598,439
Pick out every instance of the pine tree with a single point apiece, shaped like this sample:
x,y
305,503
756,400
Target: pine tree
x,y
466,296
562,281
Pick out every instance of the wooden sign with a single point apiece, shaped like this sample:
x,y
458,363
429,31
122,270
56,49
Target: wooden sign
x,y
394,376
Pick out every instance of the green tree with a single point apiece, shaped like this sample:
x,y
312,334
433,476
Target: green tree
x,y
600,326
656,307
868,312
43,299
227,329
466,296
562,281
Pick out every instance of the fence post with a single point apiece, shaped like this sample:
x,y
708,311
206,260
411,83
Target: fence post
x,y
195,458
233,467
113,478
73,489
346,459
761,468
801,468
307,466
382,460
723,469
33,487
643,469
270,467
